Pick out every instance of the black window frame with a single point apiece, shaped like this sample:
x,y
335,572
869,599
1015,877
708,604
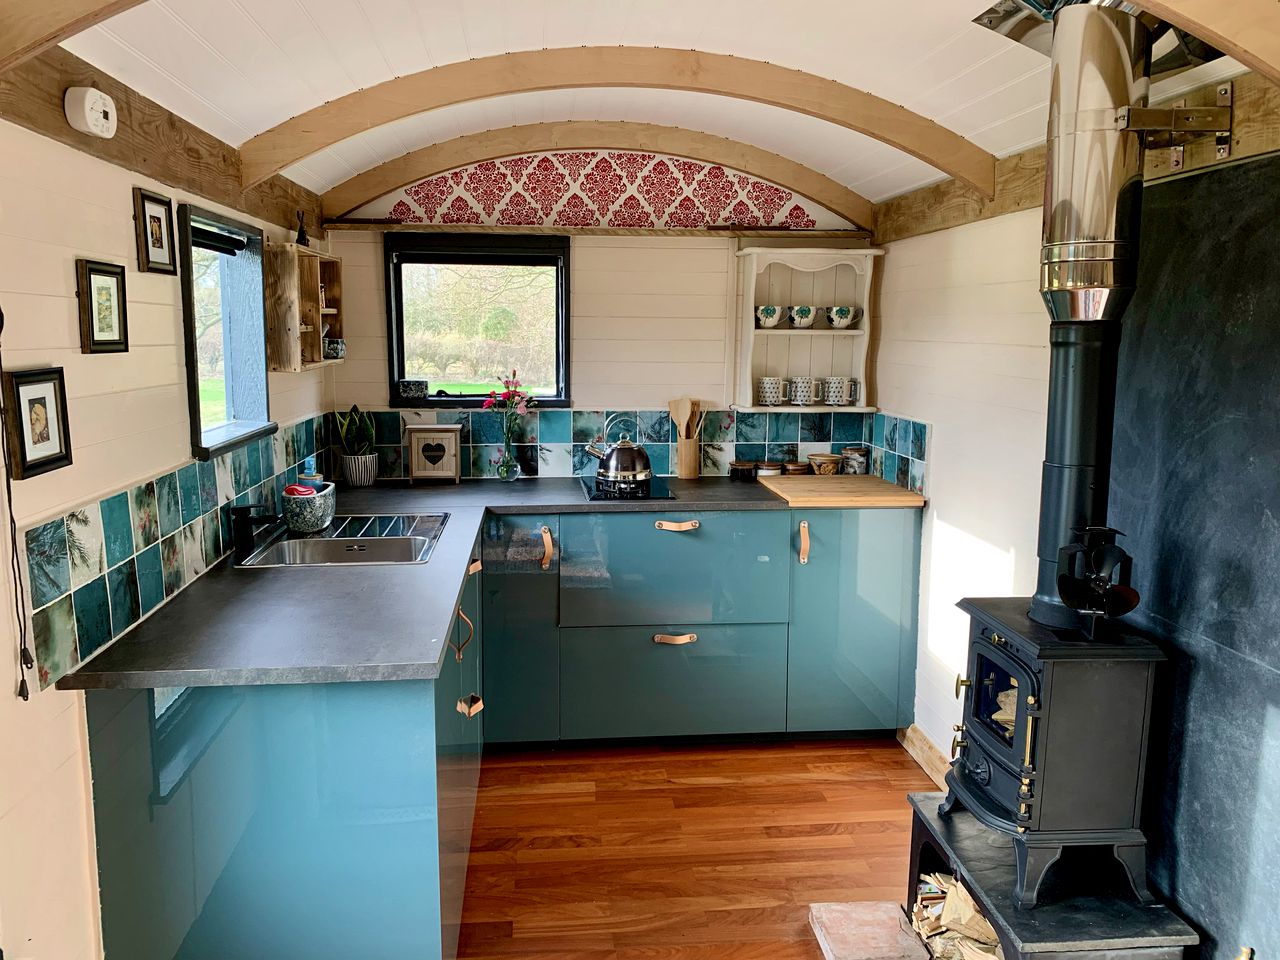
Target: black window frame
x,y
516,250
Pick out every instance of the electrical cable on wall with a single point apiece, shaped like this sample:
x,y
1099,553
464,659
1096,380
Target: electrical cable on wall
x,y
25,659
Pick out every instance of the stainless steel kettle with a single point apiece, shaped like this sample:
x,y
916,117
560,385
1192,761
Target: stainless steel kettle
x,y
623,460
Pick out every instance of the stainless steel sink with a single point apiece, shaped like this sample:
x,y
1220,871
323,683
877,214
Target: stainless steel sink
x,y
320,552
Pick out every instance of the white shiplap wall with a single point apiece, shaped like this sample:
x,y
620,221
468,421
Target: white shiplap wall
x,y
652,319
964,347
128,422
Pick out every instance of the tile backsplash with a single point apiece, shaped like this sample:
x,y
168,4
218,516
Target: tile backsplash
x,y
96,571
552,443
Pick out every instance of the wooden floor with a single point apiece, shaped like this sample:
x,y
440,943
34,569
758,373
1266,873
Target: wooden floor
x,y
660,853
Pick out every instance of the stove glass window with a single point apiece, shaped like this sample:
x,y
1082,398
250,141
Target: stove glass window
x,y
995,704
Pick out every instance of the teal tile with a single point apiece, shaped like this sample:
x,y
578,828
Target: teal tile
x,y
189,492
150,578
54,636
904,438
484,460
750,452
661,456
169,504
656,427
903,473
847,427
93,616
815,428
212,539
917,440
386,428
146,515
172,565
460,417
253,457
877,430
486,427
48,566
555,426
625,423
267,455
117,529
784,428
890,433
239,473
527,457
208,473
390,462
587,425
751,427
781,452
308,439
122,582
889,468
584,465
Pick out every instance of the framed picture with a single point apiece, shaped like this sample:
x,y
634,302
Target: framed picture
x,y
35,404
153,223
104,320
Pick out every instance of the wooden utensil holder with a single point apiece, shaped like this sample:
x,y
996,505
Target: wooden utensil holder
x,y
688,458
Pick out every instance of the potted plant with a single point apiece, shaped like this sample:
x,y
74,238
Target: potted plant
x,y
355,436
513,404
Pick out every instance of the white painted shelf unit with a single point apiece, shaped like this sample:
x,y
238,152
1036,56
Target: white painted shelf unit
x,y
799,276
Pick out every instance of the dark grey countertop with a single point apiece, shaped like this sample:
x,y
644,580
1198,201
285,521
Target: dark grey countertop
x,y
331,624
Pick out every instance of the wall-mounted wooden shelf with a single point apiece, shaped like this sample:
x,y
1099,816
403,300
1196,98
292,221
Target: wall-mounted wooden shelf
x,y
809,332
304,306
792,408
315,364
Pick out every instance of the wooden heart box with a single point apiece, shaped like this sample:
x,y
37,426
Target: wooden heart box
x,y
435,451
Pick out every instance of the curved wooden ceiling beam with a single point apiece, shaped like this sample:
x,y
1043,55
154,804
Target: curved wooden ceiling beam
x,y
29,27
597,135
1248,30
652,67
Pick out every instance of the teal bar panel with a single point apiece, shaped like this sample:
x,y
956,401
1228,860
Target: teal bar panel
x,y
521,633
623,568
281,822
618,682
852,644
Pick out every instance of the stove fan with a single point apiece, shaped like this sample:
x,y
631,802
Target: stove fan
x,y
1093,576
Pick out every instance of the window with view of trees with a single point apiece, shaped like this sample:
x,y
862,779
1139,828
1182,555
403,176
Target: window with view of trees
x,y
464,310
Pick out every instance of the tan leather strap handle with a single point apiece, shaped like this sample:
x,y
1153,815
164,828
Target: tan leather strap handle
x,y
547,548
675,640
804,541
471,633
476,567
470,705
677,526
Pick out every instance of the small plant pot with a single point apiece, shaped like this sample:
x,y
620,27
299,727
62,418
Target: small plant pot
x,y
360,471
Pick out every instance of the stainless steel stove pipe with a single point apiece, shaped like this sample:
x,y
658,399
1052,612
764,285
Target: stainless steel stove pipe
x,y
1088,266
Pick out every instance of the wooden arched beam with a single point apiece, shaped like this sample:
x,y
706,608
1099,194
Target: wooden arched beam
x,y
652,67
597,135
29,27
1248,30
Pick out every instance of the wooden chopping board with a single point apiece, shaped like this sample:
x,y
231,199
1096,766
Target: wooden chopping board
x,y
841,491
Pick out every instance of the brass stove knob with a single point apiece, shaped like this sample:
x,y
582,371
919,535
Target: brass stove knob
x,y
957,744
961,683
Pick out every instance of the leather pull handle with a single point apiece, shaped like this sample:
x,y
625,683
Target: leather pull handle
x,y
804,541
470,705
677,526
675,640
548,548
476,567
471,633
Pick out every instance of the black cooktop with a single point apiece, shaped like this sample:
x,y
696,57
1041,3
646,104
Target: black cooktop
x,y
654,489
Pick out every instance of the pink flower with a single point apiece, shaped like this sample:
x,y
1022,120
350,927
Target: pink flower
x,y
487,404
523,408
506,394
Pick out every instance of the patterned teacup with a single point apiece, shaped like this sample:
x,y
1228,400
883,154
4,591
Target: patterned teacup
x,y
842,318
770,315
772,390
803,316
835,391
802,391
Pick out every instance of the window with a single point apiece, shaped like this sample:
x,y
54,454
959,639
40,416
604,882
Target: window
x,y
224,321
464,309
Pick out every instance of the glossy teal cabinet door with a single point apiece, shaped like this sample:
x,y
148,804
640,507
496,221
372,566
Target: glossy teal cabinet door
x,y
521,635
619,682
852,645
674,566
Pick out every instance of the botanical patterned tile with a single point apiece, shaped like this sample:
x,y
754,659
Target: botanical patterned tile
x,y
189,492
917,440
291,476
903,476
146,515
48,568
661,458
85,548
93,616
877,462
555,459
253,456
212,540
484,460
300,440
117,528
626,423
752,427
239,474
309,439
847,427
525,429
290,457
390,463
527,457
464,465
917,476
656,426
387,429
904,437
784,427
462,417
224,516
193,549
890,469
715,458
150,578
815,427
222,475
890,433
783,452
122,582
278,453
750,452
54,632
265,494
587,424
486,427
173,564
555,426
584,465
267,454
718,427
209,482
877,430
169,504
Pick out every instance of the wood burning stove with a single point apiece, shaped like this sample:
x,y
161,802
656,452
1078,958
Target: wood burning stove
x,y
1052,749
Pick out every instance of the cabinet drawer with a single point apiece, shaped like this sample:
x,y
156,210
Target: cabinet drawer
x,y
619,682
674,566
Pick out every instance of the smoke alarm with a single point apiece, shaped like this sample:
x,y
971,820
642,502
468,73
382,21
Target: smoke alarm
x,y
90,111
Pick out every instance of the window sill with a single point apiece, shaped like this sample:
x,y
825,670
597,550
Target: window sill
x,y
219,440
464,403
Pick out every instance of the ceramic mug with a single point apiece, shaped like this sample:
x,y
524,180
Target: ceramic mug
x,y
803,316
802,391
769,315
835,391
842,318
772,390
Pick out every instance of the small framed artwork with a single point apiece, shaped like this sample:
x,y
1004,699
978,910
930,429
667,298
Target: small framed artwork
x,y
153,223
35,403
104,320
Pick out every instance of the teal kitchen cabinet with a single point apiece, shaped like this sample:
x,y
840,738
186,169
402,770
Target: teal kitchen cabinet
x,y
521,654
852,647
671,680
681,567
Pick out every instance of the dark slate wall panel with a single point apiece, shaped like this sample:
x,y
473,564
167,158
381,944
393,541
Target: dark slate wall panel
x,y
1196,486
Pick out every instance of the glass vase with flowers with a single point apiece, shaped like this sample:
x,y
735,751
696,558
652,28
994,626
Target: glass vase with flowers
x,y
513,405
